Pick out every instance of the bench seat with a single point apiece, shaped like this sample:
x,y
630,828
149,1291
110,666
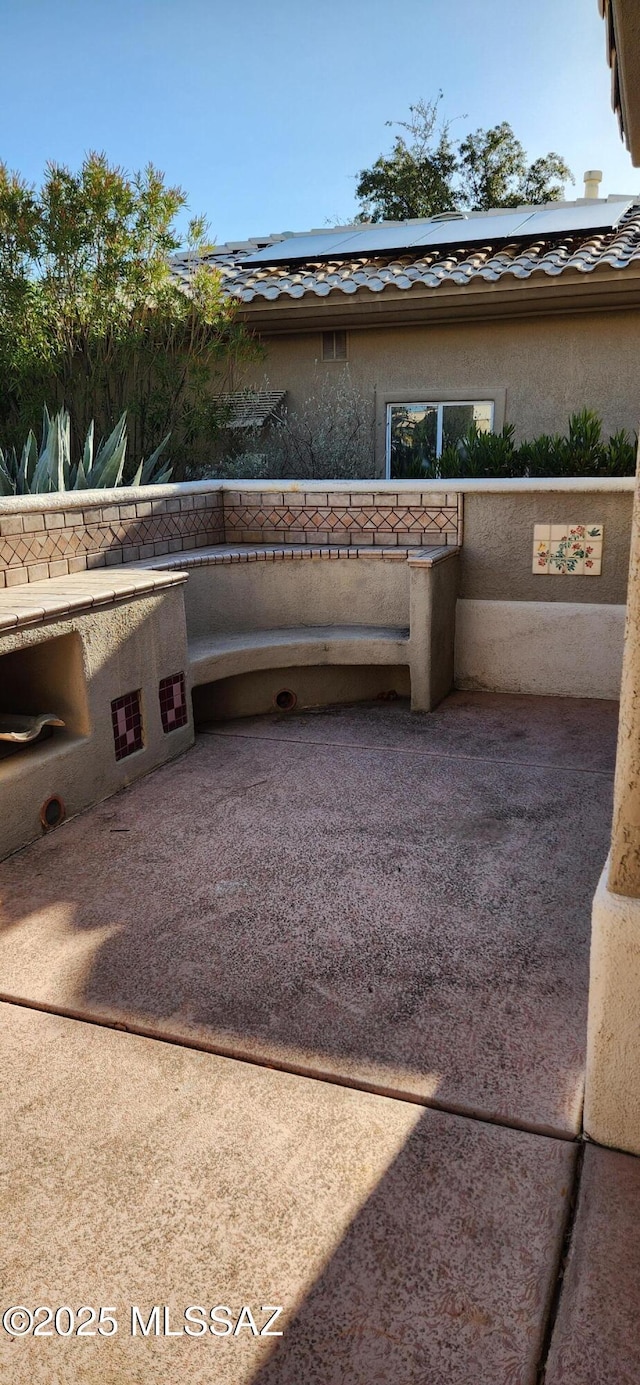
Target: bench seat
x,y
223,656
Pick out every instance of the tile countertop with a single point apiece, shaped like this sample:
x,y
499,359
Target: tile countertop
x,y
32,603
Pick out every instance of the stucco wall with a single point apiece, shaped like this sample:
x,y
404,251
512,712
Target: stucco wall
x,y
612,1093
496,558
119,649
540,369
552,649
260,596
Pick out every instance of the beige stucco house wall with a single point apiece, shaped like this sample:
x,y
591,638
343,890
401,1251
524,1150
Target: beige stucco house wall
x,y
538,370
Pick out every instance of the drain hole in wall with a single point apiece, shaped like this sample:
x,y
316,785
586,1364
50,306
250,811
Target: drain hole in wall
x,y
285,700
52,812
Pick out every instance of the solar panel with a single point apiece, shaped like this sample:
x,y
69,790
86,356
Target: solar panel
x,y
408,235
486,228
593,216
400,236
304,247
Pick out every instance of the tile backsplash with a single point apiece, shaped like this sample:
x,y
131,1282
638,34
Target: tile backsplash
x,y
569,550
407,518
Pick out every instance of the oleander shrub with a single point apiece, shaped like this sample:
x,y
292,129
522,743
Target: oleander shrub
x,y
94,319
582,451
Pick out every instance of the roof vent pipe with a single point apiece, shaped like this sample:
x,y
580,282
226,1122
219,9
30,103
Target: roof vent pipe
x,y
592,181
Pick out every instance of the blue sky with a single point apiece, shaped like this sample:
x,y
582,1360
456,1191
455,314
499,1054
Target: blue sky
x,y
264,110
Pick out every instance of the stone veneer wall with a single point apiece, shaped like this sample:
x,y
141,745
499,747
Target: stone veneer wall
x,y
42,537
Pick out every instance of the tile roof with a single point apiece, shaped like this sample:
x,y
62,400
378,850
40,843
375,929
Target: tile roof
x,y
518,258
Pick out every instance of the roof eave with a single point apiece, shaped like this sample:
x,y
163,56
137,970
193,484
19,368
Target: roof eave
x,y
572,291
623,21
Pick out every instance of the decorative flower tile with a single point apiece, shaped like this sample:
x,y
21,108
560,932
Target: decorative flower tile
x,y
126,719
173,702
568,549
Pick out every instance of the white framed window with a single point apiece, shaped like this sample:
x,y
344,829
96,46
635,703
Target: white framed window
x,y
418,432
334,346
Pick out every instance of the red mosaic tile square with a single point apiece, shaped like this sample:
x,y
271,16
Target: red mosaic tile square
x,y
126,720
173,702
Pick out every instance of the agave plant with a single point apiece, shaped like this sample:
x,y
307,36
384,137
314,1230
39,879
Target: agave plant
x,y
51,469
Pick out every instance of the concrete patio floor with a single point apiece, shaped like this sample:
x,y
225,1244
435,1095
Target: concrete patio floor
x,y
398,906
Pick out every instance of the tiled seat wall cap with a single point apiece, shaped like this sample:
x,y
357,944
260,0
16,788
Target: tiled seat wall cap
x,y
270,553
89,499
48,537
60,597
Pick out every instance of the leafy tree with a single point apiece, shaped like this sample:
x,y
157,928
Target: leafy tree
x,y
429,172
493,171
416,179
92,318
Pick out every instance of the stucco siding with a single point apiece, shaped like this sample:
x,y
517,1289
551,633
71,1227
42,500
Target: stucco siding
x,y
496,558
540,369
559,650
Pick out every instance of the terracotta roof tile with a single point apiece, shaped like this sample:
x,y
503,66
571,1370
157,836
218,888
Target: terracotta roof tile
x,y
552,256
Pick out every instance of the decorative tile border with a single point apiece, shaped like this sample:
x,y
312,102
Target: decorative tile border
x,y
35,545
39,544
573,550
126,720
173,702
405,519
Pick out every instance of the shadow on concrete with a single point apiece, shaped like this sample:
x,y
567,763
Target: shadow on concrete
x,y
397,902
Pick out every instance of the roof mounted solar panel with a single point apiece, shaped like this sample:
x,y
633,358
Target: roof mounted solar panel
x,y
313,246
587,216
412,235
401,236
486,228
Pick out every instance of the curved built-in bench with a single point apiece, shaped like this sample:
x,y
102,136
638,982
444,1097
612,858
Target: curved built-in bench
x,y
225,656
223,640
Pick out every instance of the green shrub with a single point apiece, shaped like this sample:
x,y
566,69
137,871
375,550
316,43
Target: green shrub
x,y
95,318
582,452
479,454
329,436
